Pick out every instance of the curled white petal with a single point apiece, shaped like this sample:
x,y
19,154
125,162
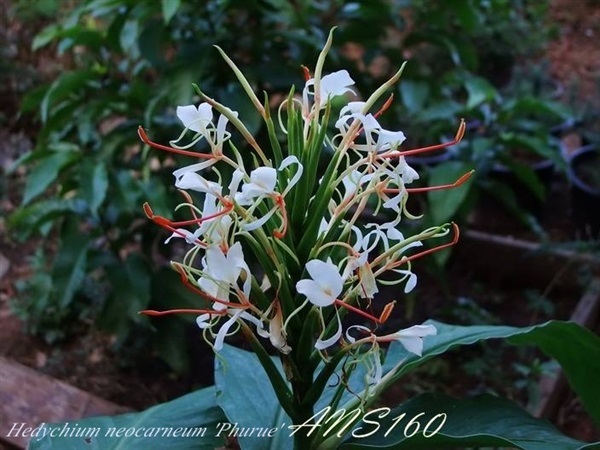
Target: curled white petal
x,y
322,344
351,338
224,330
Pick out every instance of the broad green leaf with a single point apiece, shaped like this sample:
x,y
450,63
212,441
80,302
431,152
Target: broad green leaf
x,y
575,348
45,172
248,399
70,263
187,423
482,421
169,9
444,204
93,180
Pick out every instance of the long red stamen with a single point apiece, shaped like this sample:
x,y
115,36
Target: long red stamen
x,y
431,250
163,221
385,106
144,137
381,319
166,224
188,199
459,135
457,183
152,312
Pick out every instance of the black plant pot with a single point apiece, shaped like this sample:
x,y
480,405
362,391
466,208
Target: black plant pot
x,y
584,175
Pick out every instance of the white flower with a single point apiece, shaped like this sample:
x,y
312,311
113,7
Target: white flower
x,y
262,182
331,85
222,271
196,118
326,284
412,338
334,84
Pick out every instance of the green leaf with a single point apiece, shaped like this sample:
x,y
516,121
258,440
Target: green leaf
x,y
70,263
187,423
131,282
575,348
169,9
414,94
93,181
27,220
482,421
45,172
444,204
479,90
45,36
63,87
248,399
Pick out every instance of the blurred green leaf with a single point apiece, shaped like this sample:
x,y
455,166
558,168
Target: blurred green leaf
x,y
93,183
414,94
64,86
479,90
28,219
70,263
169,9
44,37
444,204
45,173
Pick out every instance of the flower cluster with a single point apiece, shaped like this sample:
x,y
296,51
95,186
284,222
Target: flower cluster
x,y
283,247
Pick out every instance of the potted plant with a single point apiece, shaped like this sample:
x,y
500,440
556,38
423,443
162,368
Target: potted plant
x,y
584,175
516,153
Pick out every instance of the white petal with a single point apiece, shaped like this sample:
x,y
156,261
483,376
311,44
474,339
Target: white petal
x,y
326,275
412,344
412,338
265,178
352,339
197,183
326,343
335,83
314,293
411,283
182,233
389,139
225,329
196,119
203,321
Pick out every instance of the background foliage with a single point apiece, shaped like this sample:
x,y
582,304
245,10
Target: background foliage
x,y
130,62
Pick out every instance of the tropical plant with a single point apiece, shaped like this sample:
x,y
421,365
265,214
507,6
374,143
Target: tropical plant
x,y
316,260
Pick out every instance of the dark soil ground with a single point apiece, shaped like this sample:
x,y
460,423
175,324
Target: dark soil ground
x,y
90,363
